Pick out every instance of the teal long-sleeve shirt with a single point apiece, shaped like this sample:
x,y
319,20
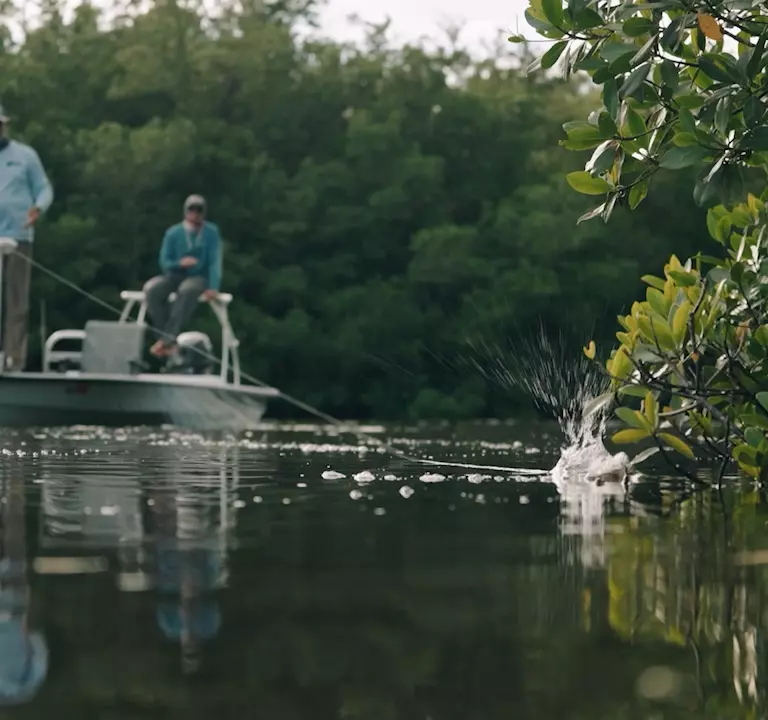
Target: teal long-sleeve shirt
x,y
23,185
204,246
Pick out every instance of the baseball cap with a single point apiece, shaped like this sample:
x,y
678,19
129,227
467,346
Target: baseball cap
x,y
193,200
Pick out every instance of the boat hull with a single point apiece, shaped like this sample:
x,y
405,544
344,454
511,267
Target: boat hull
x,y
200,402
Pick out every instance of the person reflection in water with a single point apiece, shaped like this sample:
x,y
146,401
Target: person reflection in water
x,y
23,654
187,572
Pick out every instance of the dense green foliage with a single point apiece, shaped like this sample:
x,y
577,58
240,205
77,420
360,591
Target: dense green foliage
x,y
380,206
674,96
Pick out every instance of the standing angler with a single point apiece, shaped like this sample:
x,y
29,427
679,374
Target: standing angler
x,y
25,194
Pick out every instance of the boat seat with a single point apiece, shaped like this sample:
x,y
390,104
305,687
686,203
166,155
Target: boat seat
x,y
112,347
137,296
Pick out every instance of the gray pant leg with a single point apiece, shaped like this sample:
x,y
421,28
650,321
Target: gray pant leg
x,y
187,297
18,274
156,292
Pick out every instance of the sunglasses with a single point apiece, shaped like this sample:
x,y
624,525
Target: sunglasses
x,y
196,208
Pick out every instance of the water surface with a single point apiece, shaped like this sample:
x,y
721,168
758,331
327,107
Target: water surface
x,y
298,572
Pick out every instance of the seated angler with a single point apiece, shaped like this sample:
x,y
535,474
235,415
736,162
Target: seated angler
x,y
190,260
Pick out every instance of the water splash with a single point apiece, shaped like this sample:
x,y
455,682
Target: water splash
x,y
555,374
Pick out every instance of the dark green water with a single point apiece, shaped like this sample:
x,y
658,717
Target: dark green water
x,y
178,576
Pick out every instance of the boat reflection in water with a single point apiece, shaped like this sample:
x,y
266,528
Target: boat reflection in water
x,y
167,533
23,651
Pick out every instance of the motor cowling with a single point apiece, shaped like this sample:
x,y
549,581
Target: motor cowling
x,y
194,355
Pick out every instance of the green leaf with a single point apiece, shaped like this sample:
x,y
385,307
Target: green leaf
x,y
678,158
553,54
583,182
614,51
603,158
723,115
634,80
754,110
723,229
757,139
683,279
762,398
678,444
587,18
637,26
635,124
714,216
754,437
633,391
631,435
756,61
670,76
542,26
638,193
715,68
553,11
606,125
611,97
687,122
685,139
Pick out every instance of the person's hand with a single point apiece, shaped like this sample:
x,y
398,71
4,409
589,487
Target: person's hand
x,y
188,261
210,295
32,216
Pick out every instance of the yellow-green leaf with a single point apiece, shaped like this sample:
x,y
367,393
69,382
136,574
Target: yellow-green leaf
x,y
680,321
653,281
590,350
651,409
583,182
633,418
678,444
630,435
620,366
656,330
657,301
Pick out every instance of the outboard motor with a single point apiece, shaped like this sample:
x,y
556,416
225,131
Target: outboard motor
x,y
194,355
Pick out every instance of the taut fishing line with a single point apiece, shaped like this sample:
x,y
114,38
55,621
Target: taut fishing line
x,y
296,402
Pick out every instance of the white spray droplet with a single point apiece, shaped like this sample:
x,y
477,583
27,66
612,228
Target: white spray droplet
x,y
432,477
257,499
109,510
379,512
364,477
355,494
332,475
238,504
406,491
524,499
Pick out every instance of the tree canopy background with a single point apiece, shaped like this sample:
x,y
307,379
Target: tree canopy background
x,y
381,206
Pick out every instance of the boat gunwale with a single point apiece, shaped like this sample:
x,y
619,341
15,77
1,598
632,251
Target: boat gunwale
x,y
203,382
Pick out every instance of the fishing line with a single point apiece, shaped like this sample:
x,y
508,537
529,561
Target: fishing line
x,y
296,402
